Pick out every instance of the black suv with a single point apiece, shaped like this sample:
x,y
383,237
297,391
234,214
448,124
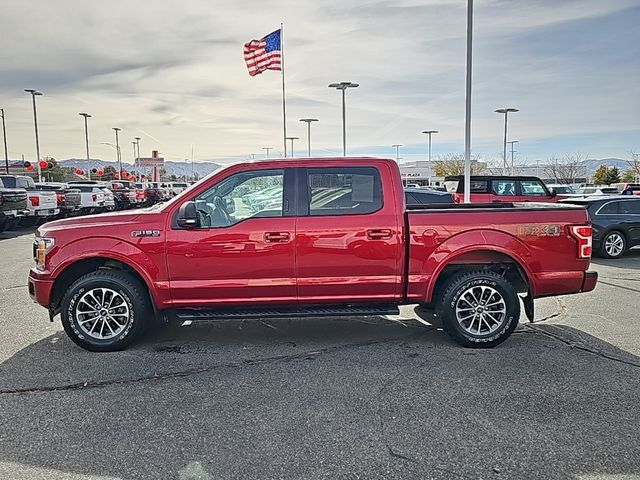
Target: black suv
x,y
616,223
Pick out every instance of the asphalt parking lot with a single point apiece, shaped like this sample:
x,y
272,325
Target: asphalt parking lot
x,y
325,398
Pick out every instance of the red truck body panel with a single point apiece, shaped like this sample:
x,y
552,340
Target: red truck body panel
x,y
317,259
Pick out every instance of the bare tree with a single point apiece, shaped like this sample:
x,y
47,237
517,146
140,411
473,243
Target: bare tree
x,y
567,169
634,164
453,164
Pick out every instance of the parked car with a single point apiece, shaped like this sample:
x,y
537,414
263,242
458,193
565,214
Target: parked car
x,y
615,221
627,188
178,187
338,242
597,191
161,191
109,200
124,196
91,197
42,205
68,198
489,189
561,189
13,206
419,197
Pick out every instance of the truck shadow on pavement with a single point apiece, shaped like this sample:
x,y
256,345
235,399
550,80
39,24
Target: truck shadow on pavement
x,y
322,398
630,260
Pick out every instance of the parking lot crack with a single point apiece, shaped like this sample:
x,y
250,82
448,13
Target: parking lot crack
x,y
199,370
584,348
619,286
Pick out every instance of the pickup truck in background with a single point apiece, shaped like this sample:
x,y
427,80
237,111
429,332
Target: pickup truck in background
x,y
13,206
41,204
91,196
68,198
494,189
312,237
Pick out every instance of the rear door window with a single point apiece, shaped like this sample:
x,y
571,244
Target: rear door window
x,y
610,208
630,207
344,191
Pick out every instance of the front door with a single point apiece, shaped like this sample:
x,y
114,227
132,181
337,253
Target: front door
x,y
348,240
242,250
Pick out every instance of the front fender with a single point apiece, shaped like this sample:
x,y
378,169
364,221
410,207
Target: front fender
x,y
475,242
147,261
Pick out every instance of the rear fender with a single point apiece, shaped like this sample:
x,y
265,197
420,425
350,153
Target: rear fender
x,y
474,243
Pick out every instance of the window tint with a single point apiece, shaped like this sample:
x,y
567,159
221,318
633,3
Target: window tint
x,y
257,193
535,188
411,199
344,191
503,187
609,209
630,207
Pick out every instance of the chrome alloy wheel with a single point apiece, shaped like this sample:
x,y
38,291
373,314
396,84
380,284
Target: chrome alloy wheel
x,y
102,313
480,310
614,244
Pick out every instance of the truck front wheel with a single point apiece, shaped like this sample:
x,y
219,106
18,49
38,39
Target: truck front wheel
x,y
105,310
479,309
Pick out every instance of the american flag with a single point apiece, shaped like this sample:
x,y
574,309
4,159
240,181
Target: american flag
x,y
263,54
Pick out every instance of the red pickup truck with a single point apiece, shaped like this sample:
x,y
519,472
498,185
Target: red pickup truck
x,y
312,237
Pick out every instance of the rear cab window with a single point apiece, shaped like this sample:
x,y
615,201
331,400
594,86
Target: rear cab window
x,y
343,191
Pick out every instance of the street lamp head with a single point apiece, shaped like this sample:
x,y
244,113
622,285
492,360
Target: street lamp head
x,y
85,115
116,129
32,91
293,138
343,85
308,120
507,110
428,132
137,139
396,145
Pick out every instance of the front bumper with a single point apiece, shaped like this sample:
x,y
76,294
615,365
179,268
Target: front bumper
x,y
40,287
589,281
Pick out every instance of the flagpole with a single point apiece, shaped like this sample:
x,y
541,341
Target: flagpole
x,y
284,103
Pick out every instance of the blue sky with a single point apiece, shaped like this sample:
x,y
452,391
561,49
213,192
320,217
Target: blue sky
x,y
172,72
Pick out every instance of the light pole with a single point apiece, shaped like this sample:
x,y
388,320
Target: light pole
x,y
86,131
467,114
512,142
4,136
116,129
343,86
506,112
292,139
35,124
308,121
267,149
429,132
397,147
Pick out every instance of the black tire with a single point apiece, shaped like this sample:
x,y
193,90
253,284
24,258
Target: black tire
x,y
131,304
494,327
613,251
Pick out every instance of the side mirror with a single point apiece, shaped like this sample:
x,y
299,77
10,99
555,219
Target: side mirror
x,y
554,194
187,215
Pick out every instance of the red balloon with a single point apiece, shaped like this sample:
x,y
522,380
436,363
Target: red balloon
x,y
144,177
124,173
116,176
43,164
100,173
132,178
79,171
29,168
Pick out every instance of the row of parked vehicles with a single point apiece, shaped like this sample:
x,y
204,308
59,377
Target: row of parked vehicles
x,y
25,203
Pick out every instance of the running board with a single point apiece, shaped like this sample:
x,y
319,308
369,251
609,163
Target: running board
x,y
351,310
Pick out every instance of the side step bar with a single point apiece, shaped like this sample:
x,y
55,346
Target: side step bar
x,y
350,310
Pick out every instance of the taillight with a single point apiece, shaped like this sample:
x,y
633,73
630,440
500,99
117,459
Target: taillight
x,y
35,201
60,197
582,233
94,197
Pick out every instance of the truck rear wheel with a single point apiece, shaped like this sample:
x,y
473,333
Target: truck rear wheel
x,y
105,310
479,309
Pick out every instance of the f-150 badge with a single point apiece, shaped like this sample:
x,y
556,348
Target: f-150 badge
x,y
145,233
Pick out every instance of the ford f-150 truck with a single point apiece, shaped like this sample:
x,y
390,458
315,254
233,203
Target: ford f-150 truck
x,y
308,237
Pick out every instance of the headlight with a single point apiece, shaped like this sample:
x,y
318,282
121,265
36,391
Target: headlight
x,y
42,246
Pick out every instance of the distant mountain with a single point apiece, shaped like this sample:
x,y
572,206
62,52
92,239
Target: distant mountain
x,y
173,168
592,164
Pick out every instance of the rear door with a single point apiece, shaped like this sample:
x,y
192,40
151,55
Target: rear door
x,y
533,191
348,236
630,215
504,190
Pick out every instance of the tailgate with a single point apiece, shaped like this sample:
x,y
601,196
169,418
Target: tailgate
x,y
47,199
72,198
